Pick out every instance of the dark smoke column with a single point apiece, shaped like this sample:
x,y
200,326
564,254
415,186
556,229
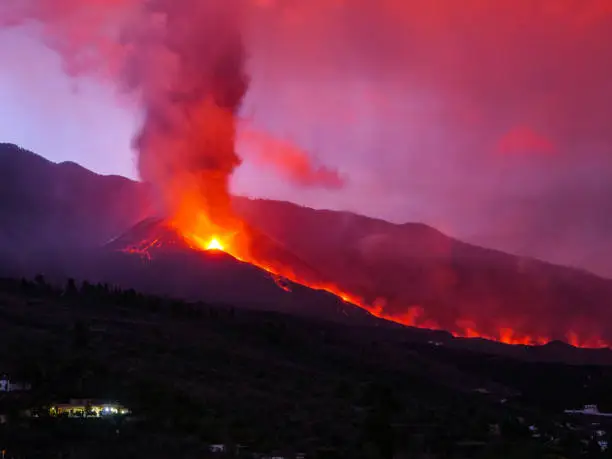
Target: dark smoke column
x,y
187,62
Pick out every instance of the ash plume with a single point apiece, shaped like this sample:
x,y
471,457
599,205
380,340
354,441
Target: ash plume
x,y
183,62
195,54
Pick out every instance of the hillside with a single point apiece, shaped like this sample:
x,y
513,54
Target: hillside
x,y
47,206
416,274
196,374
456,285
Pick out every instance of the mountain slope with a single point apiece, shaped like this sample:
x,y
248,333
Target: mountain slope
x,y
414,273
210,372
457,285
47,206
151,257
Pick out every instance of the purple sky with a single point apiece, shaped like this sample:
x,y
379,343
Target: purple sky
x,y
491,123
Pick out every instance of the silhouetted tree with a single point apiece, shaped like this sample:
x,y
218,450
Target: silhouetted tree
x,y
40,280
81,335
593,449
71,288
377,428
274,332
570,444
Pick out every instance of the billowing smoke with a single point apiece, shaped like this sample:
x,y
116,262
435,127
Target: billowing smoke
x,y
187,63
184,63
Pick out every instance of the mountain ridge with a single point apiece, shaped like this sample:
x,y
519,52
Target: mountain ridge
x,y
4,147
416,274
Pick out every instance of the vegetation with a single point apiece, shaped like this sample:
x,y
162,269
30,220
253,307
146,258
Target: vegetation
x,y
196,374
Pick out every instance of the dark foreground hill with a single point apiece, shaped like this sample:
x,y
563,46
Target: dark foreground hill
x,y
420,275
199,374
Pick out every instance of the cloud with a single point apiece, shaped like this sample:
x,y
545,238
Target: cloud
x,y
417,101
291,162
523,140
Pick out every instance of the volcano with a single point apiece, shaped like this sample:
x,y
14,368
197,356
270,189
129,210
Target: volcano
x,y
409,273
154,257
155,236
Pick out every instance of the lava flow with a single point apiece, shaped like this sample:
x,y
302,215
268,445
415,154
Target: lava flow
x,y
412,317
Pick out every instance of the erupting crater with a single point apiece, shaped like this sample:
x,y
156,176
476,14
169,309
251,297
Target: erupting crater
x,y
214,244
207,268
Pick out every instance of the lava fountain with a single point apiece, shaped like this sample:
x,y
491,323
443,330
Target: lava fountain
x,y
214,244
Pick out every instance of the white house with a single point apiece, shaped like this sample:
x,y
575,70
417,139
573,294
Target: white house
x,y
589,410
6,385
217,448
87,408
603,444
534,431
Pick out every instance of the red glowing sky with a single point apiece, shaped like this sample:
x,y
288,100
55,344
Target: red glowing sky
x,y
488,120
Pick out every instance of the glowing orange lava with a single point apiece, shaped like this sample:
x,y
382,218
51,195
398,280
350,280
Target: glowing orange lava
x,y
214,244
235,244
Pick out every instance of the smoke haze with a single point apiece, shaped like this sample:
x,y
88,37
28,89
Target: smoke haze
x,y
488,120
